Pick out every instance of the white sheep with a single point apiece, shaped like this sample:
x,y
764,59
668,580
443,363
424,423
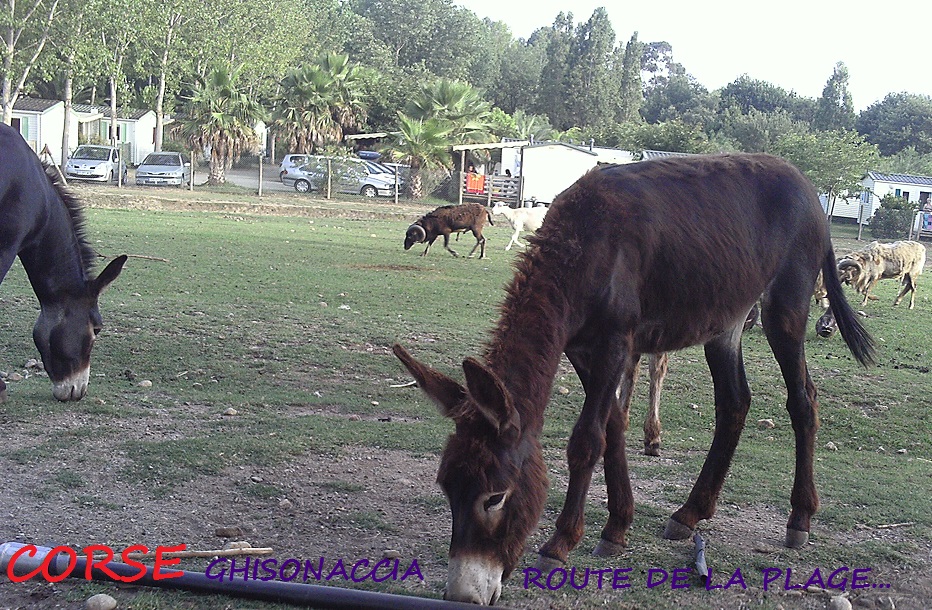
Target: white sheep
x,y
902,260
521,219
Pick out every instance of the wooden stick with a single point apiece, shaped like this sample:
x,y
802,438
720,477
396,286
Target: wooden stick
x,y
892,525
214,553
403,385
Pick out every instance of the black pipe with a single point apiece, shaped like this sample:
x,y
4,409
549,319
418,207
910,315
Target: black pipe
x,y
314,596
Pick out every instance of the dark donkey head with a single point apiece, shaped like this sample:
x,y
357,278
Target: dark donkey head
x,y
42,223
68,325
492,473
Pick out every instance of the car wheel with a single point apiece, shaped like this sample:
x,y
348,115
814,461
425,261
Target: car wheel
x,y
302,186
369,191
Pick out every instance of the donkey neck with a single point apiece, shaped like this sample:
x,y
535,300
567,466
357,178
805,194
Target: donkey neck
x,y
52,255
525,353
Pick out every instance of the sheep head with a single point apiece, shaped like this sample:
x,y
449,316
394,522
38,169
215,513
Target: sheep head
x,y
414,235
848,270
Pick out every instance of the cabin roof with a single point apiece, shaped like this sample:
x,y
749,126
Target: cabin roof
x,y
900,178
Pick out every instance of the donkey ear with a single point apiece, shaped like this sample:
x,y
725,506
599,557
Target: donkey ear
x,y
446,393
491,396
110,273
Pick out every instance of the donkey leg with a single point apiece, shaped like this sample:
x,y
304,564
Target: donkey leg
x,y
600,377
2,391
732,400
658,372
786,335
617,481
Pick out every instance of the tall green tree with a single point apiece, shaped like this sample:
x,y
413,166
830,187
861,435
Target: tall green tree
x,y
520,77
759,131
630,86
835,161
553,99
589,79
24,28
746,93
835,109
899,121
221,117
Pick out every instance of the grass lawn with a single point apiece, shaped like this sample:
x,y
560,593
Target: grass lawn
x,y
289,320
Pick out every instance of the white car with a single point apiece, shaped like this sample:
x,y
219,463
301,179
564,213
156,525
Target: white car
x,y
95,163
163,168
290,162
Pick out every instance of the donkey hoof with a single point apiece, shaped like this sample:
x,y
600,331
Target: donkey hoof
x,y
676,530
546,564
607,548
795,538
652,449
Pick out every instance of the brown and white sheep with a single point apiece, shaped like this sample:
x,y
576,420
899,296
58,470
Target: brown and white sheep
x,y
521,219
446,220
901,260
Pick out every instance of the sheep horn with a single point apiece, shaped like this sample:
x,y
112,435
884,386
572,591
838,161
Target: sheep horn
x,y
414,235
845,263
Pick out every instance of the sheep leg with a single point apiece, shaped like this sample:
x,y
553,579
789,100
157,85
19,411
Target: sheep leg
x,y
907,287
867,293
480,243
446,244
429,244
658,372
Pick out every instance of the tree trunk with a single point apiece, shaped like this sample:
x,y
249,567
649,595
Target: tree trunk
x,y
65,136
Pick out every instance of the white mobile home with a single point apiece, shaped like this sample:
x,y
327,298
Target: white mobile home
x,y
549,168
916,189
41,123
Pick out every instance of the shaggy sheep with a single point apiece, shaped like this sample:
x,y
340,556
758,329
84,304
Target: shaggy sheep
x,y
901,260
521,219
446,220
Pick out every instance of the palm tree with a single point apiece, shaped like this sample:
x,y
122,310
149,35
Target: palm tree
x,y
422,144
318,103
457,103
532,126
221,118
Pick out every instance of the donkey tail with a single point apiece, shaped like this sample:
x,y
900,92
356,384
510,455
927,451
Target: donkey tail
x,y
856,337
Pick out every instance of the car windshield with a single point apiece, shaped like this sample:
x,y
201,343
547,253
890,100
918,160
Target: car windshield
x,y
91,152
162,160
297,159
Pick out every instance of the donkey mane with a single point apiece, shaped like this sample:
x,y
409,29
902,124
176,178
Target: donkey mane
x,y
76,213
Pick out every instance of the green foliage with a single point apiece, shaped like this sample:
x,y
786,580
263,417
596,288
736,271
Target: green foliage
x,y
318,103
893,219
899,121
835,161
835,109
906,161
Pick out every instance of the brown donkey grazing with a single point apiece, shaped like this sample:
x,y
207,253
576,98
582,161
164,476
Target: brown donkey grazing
x,y
632,259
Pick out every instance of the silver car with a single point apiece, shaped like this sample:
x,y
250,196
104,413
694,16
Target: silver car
x,y
347,175
163,168
95,163
290,163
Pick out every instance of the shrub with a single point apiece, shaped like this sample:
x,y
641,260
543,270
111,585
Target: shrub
x,y
893,218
